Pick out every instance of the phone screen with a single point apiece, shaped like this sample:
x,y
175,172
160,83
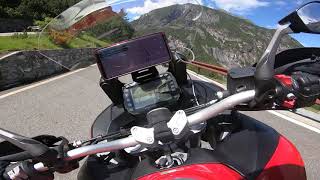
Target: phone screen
x,y
133,55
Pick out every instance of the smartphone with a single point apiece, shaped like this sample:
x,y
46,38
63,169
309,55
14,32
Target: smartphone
x,y
133,55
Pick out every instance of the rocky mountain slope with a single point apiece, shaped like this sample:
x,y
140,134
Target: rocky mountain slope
x,y
215,36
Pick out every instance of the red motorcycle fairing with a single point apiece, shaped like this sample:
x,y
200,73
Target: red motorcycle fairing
x,y
285,164
197,171
254,151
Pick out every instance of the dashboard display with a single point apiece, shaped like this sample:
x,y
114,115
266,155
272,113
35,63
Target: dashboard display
x,y
133,55
157,93
142,97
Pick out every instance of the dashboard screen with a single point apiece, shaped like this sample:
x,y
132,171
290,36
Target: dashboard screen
x,y
143,96
139,98
133,55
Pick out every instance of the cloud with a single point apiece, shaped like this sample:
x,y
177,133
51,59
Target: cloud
x,y
299,2
150,5
234,6
118,2
240,6
135,18
276,26
281,3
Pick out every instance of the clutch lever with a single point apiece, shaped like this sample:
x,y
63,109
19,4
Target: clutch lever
x,y
33,147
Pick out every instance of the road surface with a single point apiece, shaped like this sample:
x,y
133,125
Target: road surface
x,y
67,105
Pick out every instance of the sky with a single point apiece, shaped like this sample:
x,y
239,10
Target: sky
x,y
265,13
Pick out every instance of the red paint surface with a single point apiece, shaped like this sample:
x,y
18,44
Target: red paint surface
x,y
285,164
289,104
196,172
284,79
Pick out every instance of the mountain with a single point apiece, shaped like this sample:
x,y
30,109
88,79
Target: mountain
x,y
216,37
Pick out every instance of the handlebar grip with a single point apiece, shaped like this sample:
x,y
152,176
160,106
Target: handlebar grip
x,y
307,88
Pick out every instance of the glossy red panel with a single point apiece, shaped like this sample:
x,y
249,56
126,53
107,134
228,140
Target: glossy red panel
x,y
198,172
285,164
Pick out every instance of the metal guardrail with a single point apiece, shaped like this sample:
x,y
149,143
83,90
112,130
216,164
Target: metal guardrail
x,y
218,70
210,67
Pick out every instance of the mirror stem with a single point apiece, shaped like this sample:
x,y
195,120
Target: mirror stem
x,y
265,67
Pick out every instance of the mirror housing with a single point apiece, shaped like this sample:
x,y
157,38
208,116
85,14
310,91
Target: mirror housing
x,y
305,19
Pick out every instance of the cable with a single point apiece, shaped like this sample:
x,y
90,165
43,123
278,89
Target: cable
x,y
205,90
193,90
187,62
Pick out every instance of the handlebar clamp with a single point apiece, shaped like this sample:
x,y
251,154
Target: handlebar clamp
x,y
162,132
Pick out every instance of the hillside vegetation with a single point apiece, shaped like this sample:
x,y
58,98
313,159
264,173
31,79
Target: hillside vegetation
x,y
32,42
33,9
216,37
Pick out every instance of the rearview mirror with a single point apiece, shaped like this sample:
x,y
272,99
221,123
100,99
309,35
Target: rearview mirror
x,y
305,19
310,16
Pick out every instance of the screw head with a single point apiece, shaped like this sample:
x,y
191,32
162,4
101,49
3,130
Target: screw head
x,y
149,139
134,129
219,95
175,131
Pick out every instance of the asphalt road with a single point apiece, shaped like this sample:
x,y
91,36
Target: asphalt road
x,y
67,106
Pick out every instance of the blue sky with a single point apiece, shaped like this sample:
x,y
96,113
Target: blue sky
x,y
265,13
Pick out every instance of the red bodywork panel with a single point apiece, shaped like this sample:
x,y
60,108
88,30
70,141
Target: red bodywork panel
x,y
197,171
286,81
285,164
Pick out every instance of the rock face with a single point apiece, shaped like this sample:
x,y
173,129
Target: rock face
x,y
215,36
28,66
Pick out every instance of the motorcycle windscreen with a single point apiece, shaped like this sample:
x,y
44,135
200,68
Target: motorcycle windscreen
x,y
65,96
89,25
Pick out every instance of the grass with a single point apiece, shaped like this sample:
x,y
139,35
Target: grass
x,y
30,42
86,41
11,43
314,108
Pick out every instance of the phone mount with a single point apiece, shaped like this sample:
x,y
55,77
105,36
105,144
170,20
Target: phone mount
x,y
145,75
113,87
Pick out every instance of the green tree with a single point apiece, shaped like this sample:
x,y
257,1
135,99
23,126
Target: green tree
x,y
33,9
43,23
114,29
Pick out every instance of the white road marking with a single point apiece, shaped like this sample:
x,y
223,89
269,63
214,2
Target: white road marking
x,y
292,120
10,54
39,84
295,121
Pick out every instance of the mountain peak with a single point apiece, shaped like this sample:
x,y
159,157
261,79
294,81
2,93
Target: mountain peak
x,y
215,36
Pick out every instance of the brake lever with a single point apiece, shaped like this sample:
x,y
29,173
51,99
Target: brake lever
x,y
33,147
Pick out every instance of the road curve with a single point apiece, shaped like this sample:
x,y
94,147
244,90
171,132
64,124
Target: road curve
x,y
68,105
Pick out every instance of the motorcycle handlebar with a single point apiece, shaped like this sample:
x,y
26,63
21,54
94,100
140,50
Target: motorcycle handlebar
x,y
193,119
